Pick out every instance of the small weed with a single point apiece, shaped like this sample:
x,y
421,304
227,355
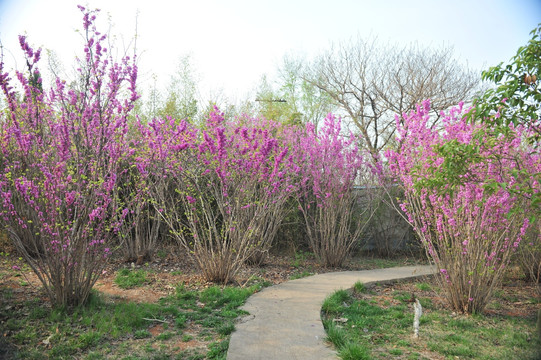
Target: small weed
x,y
402,296
148,348
423,287
359,287
462,324
38,312
186,338
165,335
180,322
142,334
414,356
300,259
336,334
218,350
403,343
426,303
89,339
352,351
300,275
226,329
127,278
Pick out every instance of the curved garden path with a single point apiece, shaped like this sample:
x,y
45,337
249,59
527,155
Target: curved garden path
x,y
284,320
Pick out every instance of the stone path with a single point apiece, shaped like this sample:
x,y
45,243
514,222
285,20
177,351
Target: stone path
x,y
284,321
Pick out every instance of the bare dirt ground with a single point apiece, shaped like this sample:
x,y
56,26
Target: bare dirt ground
x,y
167,272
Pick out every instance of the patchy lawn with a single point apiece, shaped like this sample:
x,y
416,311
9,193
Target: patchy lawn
x,y
377,323
158,310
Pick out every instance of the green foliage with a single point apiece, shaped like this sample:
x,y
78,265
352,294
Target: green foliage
x,y
359,287
142,334
516,100
180,101
300,258
516,97
127,278
165,335
300,275
423,286
294,101
352,351
336,334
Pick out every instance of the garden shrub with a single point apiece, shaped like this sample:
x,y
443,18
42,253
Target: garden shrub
x,y
220,189
330,165
529,254
62,151
468,224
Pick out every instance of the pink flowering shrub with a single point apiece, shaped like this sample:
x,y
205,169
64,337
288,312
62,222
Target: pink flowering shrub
x,y
221,189
330,167
468,225
529,254
142,225
59,170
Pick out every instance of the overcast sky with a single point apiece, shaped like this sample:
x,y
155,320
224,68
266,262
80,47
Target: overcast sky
x,y
233,43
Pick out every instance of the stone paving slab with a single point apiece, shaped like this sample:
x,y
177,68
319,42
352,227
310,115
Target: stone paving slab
x,y
284,321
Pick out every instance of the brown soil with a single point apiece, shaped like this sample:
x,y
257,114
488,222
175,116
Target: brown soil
x,y
166,273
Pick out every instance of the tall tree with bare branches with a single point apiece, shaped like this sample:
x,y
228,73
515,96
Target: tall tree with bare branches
x,y
370,83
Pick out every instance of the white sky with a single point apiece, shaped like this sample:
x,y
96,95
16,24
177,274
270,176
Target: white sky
x,y
234,42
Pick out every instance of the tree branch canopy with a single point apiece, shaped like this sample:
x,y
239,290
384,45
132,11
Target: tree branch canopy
x,y
371,83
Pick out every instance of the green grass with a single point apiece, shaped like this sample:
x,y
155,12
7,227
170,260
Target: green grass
x,y
382,263
300,258
423,286
300,275
127,278
366,330
359,287
99,329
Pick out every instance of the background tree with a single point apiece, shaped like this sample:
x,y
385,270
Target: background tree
x,y
310,103
371,83
153,104
293,100
272,105
181,99
515,98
